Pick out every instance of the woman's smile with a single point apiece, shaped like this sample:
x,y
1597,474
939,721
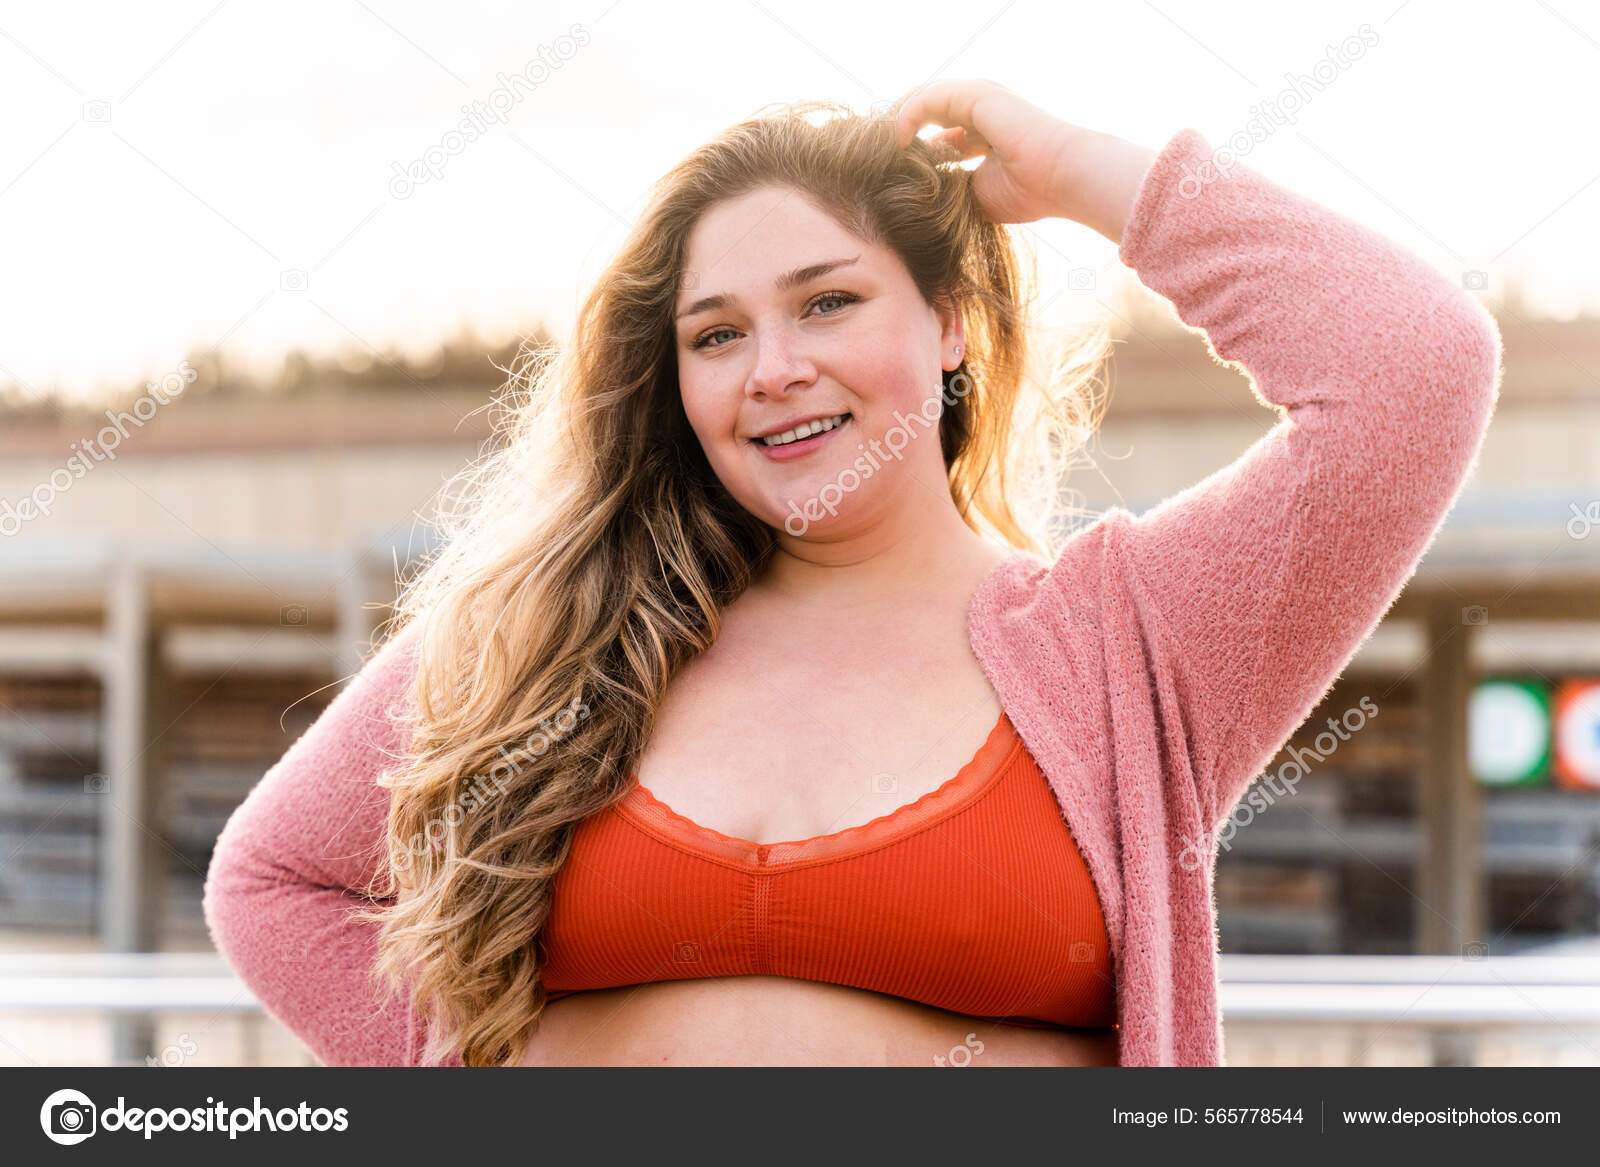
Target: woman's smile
x,y
790,451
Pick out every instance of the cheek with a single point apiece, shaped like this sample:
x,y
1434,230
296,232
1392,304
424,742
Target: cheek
x,y
713,418
885,384
708,415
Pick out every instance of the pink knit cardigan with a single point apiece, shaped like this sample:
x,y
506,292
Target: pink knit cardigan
x,y
1152,670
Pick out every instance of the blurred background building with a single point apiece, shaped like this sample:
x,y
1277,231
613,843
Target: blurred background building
x,y
191,606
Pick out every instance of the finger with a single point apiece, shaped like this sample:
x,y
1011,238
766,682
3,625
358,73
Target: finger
x,y
942,103
946,104
967,143
952,145
946,144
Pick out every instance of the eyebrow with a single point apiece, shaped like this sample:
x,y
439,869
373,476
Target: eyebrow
x,y
783,283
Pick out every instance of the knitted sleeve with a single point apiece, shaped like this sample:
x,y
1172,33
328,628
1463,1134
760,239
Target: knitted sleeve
x,y
291,862
1264,578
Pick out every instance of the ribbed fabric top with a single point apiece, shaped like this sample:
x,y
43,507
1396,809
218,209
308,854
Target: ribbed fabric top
x,y
974,898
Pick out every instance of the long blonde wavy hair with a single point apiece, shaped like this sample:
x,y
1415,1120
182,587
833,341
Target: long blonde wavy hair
x,y
586,558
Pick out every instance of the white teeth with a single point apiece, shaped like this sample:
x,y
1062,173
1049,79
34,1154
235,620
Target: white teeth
x,y
805,431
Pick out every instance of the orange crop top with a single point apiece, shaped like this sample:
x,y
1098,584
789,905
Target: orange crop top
x,y
974,898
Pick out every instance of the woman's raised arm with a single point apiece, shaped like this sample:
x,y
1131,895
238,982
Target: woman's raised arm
x,y
1266,576
1262,580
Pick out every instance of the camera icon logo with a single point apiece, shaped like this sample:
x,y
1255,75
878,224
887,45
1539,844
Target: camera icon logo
x,y
299,950
68,1117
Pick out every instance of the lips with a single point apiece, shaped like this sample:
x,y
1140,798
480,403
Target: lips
x,y
842,414
804,446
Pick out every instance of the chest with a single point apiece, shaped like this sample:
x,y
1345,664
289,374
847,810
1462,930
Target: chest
x,y
773,738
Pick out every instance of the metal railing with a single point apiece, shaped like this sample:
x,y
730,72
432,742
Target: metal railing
x,y
1415,990
1452,1002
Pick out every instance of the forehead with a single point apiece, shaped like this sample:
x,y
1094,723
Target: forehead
x,y
757,235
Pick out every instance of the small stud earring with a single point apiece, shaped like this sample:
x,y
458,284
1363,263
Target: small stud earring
x,y
958,350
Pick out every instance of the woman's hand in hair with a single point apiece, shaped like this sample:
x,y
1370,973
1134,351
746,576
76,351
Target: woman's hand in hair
x,y
1035,165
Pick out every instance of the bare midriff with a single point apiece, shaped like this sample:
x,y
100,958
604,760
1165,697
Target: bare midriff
x,y
783,1021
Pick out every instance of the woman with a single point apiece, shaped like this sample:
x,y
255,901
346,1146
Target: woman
x,y
742,721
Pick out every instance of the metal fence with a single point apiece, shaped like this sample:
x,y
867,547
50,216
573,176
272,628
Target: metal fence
x,y
1277,1010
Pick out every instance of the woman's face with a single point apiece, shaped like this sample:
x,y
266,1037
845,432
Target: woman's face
x,y
785,317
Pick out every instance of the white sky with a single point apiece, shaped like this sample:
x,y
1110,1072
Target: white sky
x,y
246,139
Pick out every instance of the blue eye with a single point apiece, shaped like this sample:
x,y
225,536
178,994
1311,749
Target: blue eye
x,y
704,339
842,297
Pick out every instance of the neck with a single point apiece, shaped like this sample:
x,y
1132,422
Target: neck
x,y
921,546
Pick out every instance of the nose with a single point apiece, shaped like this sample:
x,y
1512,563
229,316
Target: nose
x,y
781,365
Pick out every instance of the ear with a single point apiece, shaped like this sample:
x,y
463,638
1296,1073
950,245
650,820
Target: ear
x,y
952,332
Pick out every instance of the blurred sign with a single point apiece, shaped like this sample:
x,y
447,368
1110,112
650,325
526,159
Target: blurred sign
x,y
1508,733
1577,734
